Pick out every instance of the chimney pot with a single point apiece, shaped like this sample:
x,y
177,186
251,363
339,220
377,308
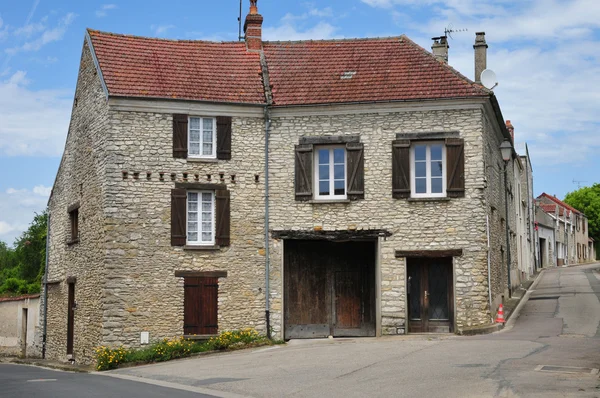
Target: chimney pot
x,y
253,28
480,48
511,130
440,47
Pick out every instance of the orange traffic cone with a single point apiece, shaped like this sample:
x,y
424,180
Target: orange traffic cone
x,y
500,316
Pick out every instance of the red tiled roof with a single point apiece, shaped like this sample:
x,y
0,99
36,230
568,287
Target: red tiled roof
x,y
135,66
559,202
548,208
379,69
301,73
17,298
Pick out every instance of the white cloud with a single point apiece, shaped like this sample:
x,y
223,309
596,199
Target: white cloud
x,y
47,36
161,29
287,31
32,122
103,11
17,208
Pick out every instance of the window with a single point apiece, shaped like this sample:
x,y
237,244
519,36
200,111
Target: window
x,y
200,218
74,224
428,171
201,137
330,172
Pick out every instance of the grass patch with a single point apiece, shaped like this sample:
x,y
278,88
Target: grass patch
x,y
167,349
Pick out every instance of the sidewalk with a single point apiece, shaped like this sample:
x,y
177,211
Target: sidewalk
x,y
518,294
46,363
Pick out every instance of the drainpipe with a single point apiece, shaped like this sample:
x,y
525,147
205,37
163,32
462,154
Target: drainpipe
x,y
267,261
487,226
507,229
46,289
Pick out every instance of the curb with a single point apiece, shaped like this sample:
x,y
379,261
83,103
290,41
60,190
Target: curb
x,y
41,363
487,329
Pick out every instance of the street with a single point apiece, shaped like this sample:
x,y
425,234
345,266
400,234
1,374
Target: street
x,y
550,349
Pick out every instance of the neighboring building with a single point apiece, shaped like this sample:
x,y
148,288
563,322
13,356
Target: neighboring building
x,y
386,206
592,250
18,325
545,227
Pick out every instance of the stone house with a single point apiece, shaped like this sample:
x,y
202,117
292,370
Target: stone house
x,y
545,233
306,189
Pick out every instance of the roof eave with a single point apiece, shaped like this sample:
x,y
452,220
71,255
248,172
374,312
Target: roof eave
x,y
88,39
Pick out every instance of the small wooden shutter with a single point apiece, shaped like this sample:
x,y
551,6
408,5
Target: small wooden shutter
x,y
356,170
200,305
224,137
178,217
304,172
180,136
455,167
401,169
223,217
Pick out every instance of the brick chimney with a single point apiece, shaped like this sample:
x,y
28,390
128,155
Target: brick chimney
x,y
480,47
440,47
511,130
253,28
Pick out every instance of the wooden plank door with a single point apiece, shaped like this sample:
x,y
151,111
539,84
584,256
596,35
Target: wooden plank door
x,y
70,318
200,306
348,300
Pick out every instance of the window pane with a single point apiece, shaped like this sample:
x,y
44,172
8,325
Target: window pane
x,y
192,206
207,149
193,236
194,149
420,152
208,124
192,226
339,187
206,206
207,136
436,152
206,197
323,187
324,172
194,136
206,236
436,169
206,227
339,156
192,216
338,172
193,196
421,185
436,185
323,156
194,123
206,216
420,169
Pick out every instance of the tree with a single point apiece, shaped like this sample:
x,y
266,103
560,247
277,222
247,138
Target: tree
x,y
587,201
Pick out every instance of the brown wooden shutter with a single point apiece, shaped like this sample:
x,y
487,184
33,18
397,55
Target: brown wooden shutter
x,y
356,170
455,167
180,136
224,137
178,217
304,172
401,169
223,217
200,305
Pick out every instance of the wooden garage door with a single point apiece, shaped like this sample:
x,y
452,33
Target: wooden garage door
x,y
200,306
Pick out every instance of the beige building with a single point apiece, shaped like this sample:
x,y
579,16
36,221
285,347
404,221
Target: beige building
x,y
19,335
306,189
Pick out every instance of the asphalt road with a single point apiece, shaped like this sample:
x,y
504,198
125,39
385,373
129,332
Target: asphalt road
x,y
29,381
548,349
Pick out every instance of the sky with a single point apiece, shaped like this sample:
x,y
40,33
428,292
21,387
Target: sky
x,y
545,54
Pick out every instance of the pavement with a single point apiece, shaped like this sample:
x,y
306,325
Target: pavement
x,y
550,347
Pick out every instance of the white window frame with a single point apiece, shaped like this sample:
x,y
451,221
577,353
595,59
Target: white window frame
x,y
199,242
331,195
213,155
413,184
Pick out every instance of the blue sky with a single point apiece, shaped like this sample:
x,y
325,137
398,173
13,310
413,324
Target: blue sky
x,y
544,52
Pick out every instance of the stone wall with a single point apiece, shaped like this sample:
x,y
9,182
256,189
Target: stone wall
x,y
80,178
423,225
142,292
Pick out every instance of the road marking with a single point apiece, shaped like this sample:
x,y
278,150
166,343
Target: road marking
x,y
40,380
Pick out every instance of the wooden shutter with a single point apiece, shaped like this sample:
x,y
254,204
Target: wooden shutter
x,y
180,136
224,137
304,172
178,217
200,305
455,167
356,170
223,217
401,169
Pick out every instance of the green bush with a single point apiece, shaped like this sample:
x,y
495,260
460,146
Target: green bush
x,y
167,349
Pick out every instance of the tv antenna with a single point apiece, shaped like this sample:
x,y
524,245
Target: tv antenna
x,y
578,182
240,23
450,29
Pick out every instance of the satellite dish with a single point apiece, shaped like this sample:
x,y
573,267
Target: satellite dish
x,y
488,79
